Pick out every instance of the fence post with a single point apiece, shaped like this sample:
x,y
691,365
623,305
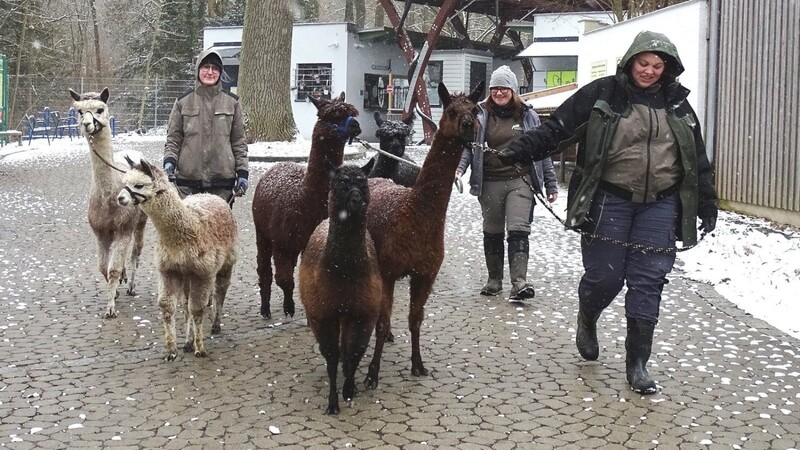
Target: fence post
x,y
155,105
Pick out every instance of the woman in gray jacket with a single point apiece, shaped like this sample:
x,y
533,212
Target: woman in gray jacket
x,y
505,192
205,149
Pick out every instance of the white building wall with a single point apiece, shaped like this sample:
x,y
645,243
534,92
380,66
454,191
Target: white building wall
x,y
685,24
212,35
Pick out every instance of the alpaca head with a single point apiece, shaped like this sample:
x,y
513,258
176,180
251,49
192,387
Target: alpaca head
x,y
92,110
460,112
394,134
141,183
349,193
338,119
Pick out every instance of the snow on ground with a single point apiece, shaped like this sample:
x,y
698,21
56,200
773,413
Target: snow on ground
x,y
753,263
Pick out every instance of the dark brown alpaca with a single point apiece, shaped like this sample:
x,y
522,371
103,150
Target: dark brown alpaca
x,y
340,283
407,224
290,200
393,135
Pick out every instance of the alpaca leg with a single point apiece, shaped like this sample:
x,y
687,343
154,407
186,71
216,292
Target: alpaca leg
x,y
222,284
355,340
381,332
198,297
169,292
329,347
188,343
420,290
264,270
284,277
116,266
136,252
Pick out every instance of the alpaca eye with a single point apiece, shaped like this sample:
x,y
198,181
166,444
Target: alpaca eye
x,y
80,111
100,111
138,185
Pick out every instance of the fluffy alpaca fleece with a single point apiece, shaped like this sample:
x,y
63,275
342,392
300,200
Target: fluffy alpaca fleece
x,y
195,255
119,231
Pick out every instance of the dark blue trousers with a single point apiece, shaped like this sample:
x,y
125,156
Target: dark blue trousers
x,y
608,265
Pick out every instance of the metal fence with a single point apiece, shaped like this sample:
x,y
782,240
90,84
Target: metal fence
x,y
136,104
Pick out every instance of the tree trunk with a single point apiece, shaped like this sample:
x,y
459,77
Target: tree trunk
x,y
148,65
20,46
265,70
98,68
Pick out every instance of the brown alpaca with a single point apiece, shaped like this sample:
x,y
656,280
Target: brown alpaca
x,y
119,231
196,251
340,283
290,200
393,135
407,224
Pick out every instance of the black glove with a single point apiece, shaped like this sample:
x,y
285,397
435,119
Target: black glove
x,y
515,153
708,218
241,186
169,167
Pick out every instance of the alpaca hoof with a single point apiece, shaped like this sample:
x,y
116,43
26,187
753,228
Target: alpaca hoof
x,y
419,371
216,329
110,314
265,312
202,354
348,392
371,382
390,337
131,292
170,357
188,347
332,410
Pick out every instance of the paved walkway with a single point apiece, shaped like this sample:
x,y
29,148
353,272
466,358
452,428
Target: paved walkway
x,y
502,376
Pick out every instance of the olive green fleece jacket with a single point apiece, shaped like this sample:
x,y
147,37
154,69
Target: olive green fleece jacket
x,y
206,137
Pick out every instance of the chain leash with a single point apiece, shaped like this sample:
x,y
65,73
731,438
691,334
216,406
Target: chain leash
x,y
632,245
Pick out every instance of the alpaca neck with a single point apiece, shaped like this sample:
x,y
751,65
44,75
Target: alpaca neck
x,y
384,167
323,145
102,154
435,181
346,248
172,219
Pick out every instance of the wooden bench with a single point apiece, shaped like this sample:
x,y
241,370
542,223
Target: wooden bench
x,y
8,134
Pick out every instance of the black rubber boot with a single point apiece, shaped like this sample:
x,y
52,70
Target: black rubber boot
x,y
637,346
493,250
586,334
518,247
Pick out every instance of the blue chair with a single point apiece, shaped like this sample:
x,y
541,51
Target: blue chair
x,y
39,126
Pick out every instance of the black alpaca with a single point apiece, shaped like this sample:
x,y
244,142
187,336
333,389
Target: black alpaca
x,y
393,135
340,283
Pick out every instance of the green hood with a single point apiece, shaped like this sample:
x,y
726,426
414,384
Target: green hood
x,y
650,41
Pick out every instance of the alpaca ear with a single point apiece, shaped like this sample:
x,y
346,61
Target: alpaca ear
x,y
444,94
317,102
378,118
104,95
74,95
130,161
147,168
477,93
367,168
330,167
341,97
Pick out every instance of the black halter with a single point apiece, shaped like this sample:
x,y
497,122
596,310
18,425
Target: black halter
x,y
98,126
135,196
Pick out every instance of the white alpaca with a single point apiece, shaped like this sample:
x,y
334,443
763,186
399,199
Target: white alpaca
x,y
196,250
119,231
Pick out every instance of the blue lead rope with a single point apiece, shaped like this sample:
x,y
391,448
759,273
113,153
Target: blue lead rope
x,y
342,129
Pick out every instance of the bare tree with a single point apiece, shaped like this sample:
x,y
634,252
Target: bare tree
x,y
264,71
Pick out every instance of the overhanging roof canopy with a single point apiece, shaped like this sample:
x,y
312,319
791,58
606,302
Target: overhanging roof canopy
x,y
517,9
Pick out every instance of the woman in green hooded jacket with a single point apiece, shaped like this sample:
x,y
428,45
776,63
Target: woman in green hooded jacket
x,y
642,179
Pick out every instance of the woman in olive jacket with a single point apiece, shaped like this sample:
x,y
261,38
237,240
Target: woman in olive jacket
x,y
205,149
642,178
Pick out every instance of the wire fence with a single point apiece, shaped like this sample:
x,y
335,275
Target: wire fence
x,y
136,105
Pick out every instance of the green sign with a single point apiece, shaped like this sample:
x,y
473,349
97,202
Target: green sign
x,y
3,93
560,77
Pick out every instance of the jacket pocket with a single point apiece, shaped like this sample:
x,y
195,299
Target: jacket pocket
x,y
223,120
191,121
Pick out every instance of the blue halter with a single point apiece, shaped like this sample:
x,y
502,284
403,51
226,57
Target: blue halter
x,y
342,129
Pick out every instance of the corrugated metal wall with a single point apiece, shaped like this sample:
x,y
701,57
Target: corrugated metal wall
x,y
757,153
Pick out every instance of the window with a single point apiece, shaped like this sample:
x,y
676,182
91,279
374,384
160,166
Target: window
x,y
433,76
314,80
377,96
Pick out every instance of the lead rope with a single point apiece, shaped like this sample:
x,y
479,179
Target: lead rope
x,y
640,247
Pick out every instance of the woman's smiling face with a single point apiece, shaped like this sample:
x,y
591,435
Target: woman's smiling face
x,y
646,69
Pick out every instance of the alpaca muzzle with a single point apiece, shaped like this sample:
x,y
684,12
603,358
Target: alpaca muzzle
x,y
135,197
